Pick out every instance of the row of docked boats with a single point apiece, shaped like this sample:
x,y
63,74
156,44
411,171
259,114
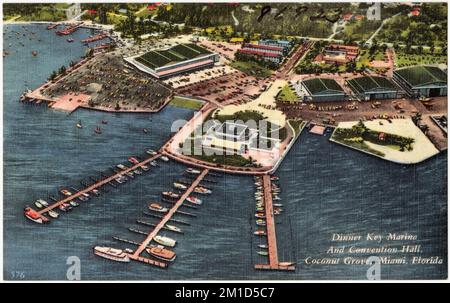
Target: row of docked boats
x,y
260,209
164,244
47,209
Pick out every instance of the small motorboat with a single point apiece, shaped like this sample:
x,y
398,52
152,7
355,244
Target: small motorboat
x,y
154,163
194,200
137,172
260,233
74,203
276,198
64,207
190,170
144,130
65,192
112,253
129,174
202,190
53,214
169,194
260,222
166,241
70,40
38,204
79,125
260,215
98,130
83,199
34,216
263,253
158,208
278,205
151,152
42,202
86,195
179,185
133,160
274,178
121,166
161,253
164,158
119,180
34,53
286,263
104,121
95,192
145,168
263,246
173,228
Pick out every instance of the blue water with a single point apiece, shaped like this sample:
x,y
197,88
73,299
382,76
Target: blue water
x,y
326,189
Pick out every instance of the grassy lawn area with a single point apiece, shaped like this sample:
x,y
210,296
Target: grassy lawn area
x,y
403,59
297,125
252,68
287,94
115,18
186,103
241,115
233,160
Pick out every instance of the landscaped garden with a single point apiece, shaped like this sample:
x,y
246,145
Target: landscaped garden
x,y
359,134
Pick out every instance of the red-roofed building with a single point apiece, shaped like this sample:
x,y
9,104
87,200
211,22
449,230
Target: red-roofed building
x,y
347,17
267,52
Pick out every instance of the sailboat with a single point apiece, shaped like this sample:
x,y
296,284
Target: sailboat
x,y
98,130
79,125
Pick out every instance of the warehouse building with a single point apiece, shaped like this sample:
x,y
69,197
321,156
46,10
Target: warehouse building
x,y
321,90
417,81
179,59
373,88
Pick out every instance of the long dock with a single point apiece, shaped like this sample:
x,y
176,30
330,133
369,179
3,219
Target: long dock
x,y
274,263
97,184
167,217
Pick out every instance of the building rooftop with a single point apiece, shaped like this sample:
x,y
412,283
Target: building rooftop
x,y
422,75
370,83
175,54
320,86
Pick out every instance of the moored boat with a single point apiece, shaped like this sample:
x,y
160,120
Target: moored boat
x,y
263,253
164,158
42,202
154,163
161,253
179,185
38,204
112,253
65,192
194,200
173,228
202,190
74,203
53,214
157,207
133,160
260,233
169,194
166,241
34,216
151,152
193,171
263,246
260,215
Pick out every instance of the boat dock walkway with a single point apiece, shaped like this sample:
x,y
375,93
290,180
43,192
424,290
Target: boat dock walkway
x,y
97,184
136,255
274,263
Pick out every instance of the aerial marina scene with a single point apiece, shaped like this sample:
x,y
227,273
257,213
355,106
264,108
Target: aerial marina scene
x,y
220,141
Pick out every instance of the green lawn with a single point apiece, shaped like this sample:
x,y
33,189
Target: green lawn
x,y
287,94
252,68
297,125
186,103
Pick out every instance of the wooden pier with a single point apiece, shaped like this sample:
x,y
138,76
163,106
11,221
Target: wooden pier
x,y
97,184
274,263
167,217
